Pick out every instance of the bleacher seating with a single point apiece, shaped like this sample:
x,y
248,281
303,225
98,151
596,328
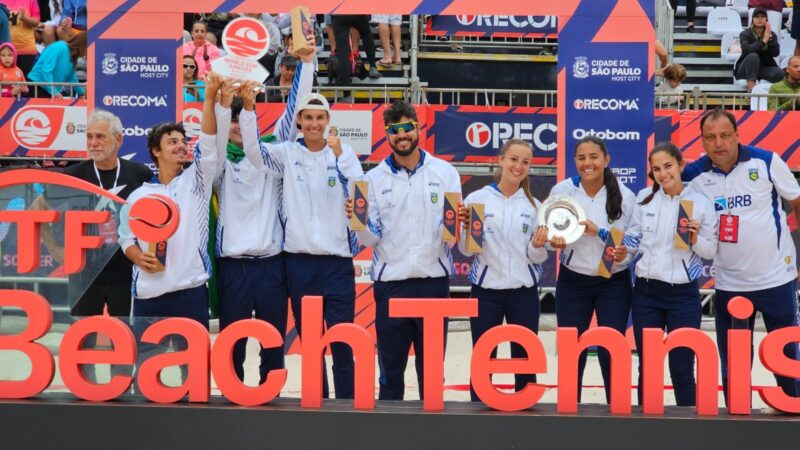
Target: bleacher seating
x,y
759,103
730,49
722,20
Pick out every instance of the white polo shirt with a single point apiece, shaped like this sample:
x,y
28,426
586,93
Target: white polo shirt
x,y
508,260
764,255
584,255
405,219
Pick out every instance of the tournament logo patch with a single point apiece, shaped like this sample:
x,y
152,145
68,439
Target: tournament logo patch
x,y
754,174
524,227
434,197
331,181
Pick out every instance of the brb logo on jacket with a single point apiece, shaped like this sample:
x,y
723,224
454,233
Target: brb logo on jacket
x,y
736,201
246,37
36,127
542,136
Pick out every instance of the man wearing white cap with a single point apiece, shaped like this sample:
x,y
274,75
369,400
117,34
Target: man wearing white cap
x,y
319,244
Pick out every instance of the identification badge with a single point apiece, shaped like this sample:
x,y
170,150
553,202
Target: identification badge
x,y
729,228
108,231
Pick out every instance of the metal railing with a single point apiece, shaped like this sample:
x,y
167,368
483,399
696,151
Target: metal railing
x,y
665,25
37,85
544,44
489,97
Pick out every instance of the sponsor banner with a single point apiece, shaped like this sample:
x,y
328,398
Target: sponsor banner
x,y
355,129
609,96
476,133
43,127
135,79
769,130
493,26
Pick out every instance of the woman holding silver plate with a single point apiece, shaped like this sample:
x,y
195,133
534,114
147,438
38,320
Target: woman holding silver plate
x,y
581,290
506,271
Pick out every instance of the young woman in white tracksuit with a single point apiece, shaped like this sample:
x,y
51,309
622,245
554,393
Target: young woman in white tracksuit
x,y
580,291
506,273
666,294
319,244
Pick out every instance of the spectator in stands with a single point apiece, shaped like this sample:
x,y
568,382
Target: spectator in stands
x,y
674,75
24,19
56,65
5,33
769,5
760,46
50,26
203,51
691,6
285,76
10,72
341,31
389,24
795,27
191,90
73,19
790,86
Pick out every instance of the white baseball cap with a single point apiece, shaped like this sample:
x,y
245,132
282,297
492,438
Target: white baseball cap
x,y
304,103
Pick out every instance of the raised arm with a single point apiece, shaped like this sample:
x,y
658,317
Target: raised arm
x,y
286,129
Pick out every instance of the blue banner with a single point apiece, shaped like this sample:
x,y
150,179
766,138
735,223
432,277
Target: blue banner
x,y
136,80
484,25
609,95
476,134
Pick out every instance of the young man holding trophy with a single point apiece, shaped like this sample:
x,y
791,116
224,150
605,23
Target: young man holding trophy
x,y
251,268
407,223
169,277
317,173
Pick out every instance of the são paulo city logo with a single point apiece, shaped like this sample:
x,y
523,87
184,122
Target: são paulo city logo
x,y
612,69
543,136
110,64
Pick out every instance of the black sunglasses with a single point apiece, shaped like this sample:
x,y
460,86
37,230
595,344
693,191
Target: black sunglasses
x,y
189,66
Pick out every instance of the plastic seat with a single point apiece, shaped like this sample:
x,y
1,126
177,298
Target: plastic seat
x,y
723,20
759,103
729,39
787,44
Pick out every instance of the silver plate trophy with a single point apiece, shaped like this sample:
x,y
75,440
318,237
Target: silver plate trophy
x,y
562,216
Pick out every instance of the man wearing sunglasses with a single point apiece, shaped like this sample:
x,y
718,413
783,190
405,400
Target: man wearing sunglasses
x,y
406,198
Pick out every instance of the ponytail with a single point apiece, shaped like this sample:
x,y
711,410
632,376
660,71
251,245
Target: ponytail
x,y
673,151
613,195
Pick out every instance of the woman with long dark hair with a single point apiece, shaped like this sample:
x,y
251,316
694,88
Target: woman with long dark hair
x,y
506,273
580,291
760,46
666,294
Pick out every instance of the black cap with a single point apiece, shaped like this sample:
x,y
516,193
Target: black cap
x,y
760,10
289,61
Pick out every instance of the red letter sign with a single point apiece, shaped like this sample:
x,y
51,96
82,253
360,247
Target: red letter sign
x,y
222,363
40,317
71,357
28,239
483,366
433,311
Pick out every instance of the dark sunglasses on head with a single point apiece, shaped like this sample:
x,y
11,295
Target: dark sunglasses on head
x,y
189,66
406,127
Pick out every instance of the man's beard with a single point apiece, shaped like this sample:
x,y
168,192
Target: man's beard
x,y
410,150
